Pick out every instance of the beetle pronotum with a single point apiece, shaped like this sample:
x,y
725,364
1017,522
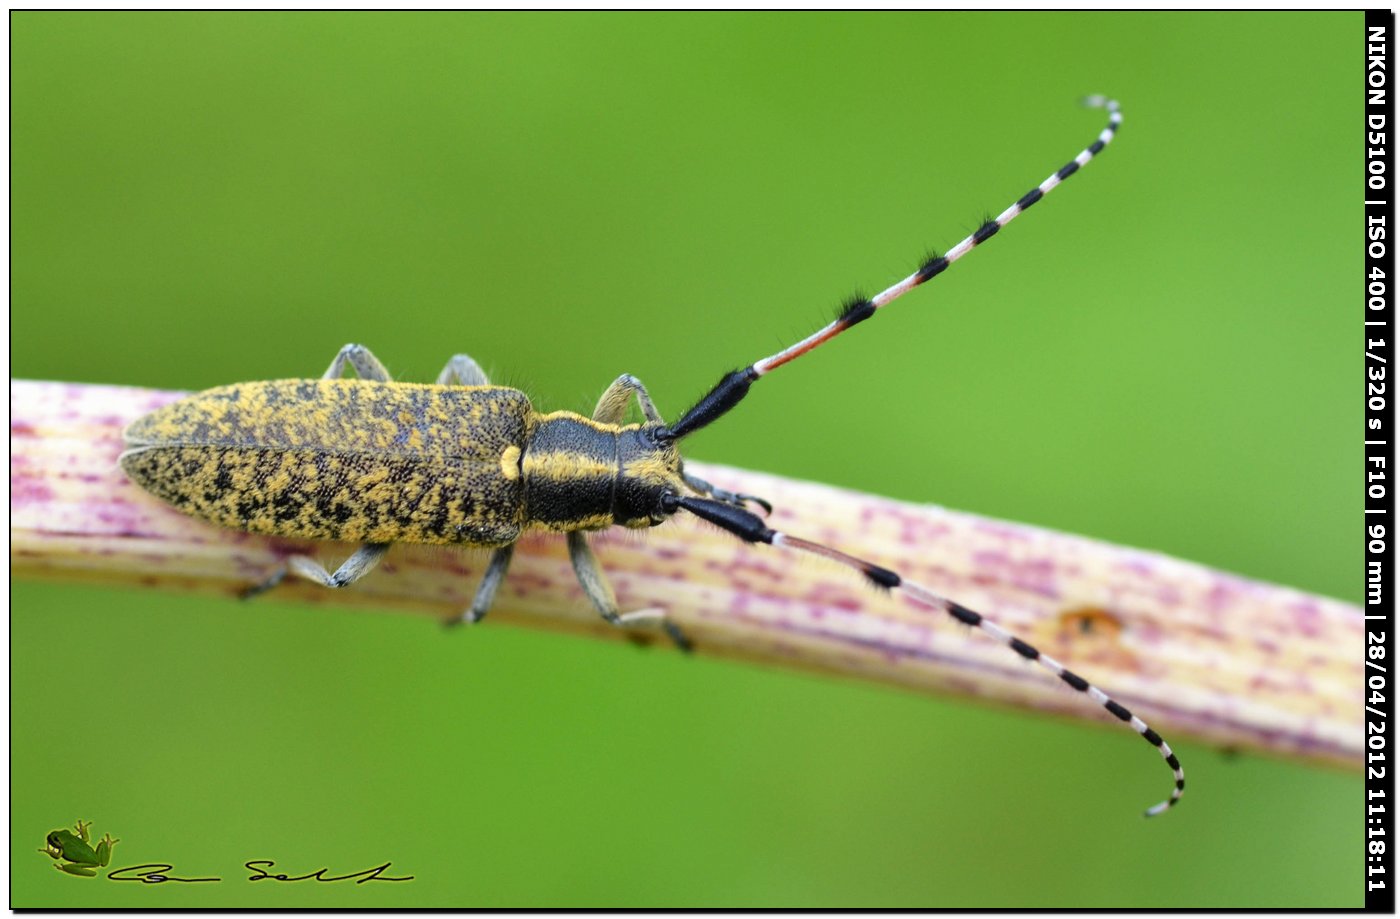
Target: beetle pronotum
x,y
462,462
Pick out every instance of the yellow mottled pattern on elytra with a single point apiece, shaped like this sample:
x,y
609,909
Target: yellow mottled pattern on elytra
x,y
342,459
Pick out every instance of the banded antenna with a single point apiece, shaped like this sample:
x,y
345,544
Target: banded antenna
x,y
751,528
735,385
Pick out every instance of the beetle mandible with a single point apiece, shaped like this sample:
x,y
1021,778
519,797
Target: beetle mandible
x,y
462,462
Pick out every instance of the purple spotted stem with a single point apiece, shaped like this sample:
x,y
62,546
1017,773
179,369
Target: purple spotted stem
x,y
1197,653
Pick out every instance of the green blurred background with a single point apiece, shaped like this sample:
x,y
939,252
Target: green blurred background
x,y
1162,355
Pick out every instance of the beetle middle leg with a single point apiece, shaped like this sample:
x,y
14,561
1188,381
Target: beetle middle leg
x,y
486,591
600,593
364,362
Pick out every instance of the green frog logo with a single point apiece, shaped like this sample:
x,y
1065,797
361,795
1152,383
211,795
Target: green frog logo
x,y
73,852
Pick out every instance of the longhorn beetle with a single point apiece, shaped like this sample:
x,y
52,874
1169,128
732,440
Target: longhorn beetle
x,y
462,462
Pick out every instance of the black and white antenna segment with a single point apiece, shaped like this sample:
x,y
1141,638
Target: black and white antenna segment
x,y
735,385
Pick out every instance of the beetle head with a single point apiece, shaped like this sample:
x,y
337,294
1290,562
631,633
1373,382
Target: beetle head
x,y
650,477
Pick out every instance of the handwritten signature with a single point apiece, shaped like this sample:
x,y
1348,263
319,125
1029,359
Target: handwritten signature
x,y
159,873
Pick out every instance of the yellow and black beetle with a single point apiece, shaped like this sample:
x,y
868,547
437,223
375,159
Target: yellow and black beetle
x,y
462,462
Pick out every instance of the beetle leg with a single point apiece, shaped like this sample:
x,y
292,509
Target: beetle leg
x,y
701,487
364,362
612,405
354,568
464,371
486,592
277,577
600,592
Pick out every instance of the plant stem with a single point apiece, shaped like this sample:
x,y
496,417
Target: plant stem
x,y
1195,652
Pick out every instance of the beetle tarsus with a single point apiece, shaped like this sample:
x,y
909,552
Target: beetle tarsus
x,y
263,587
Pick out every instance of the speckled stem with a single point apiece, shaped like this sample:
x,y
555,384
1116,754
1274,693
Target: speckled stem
x,y
1197,653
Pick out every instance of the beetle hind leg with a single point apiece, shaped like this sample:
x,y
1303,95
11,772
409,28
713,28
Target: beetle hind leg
x,y
600,593
463,371
358,565
262,587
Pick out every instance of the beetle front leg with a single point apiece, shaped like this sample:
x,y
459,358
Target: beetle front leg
x,y
600,593
364,362
612,405
706,490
